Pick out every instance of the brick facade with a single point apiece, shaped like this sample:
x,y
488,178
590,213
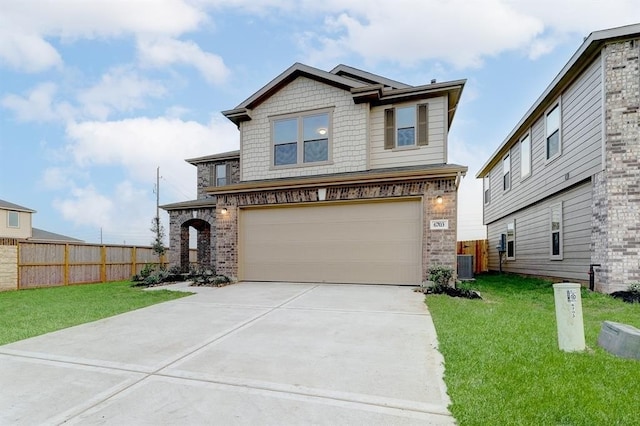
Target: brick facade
x,y
201,218
439,246
615,239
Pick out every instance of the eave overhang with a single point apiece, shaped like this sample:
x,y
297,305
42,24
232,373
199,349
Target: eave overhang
x,y
341,179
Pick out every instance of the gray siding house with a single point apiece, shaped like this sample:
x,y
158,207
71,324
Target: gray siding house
x,y
562,191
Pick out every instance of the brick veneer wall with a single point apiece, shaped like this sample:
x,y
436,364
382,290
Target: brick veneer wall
x,y
205,172
615,240
439,246
179,235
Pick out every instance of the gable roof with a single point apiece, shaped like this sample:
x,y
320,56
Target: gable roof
x,y
364,87
585,54
10,206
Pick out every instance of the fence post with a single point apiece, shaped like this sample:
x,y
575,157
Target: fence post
x,y
103,264
66,265
18,264
134,258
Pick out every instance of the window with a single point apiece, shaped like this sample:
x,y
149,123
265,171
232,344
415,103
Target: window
x,y
406,126
221,175
511,240
552,131
525,157
556,231
506,172
301,139
13,219
487,189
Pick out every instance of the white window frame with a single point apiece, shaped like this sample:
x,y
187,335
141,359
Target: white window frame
x,y
506,172
511,226
550,131
414,114
487,189
525,146
300,142
216,174
555,208
14,214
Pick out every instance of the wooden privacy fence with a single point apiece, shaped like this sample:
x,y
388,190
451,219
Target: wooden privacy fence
x,y
59,264
480,251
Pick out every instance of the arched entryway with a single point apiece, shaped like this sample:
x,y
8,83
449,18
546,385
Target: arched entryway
x,y
203,239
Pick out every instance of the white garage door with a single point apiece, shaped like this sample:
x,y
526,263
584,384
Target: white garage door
x,y
373,242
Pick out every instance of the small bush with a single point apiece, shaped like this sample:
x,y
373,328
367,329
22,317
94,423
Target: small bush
x,y
441,275
147,270
634,287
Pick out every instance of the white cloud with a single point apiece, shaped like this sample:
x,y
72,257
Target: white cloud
x,y
26,51
120,90
136,146
27,26
168,51
139,145
461,33
38,105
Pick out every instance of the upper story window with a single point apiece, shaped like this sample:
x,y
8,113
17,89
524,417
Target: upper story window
x,y
506,172
221,172
406,126
487,189
13,219
525,157
552,132
555,213
301,139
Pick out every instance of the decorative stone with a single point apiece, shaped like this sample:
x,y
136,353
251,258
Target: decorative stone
x,y
620,339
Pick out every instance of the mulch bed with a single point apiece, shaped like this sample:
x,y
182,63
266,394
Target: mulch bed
x,y
451,291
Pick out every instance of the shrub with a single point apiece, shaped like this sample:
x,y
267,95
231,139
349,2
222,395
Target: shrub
x,y
147,270
634,287
441,275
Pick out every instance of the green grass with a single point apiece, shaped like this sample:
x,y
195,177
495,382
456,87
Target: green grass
x,y
503,365
28,313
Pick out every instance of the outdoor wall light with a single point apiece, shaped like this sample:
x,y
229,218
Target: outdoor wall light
x,y
224,211
439,199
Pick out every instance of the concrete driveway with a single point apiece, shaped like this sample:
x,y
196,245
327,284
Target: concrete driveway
x,y
249,353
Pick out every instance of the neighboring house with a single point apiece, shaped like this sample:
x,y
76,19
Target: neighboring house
x,y
563,189
16,224
15,221
341,177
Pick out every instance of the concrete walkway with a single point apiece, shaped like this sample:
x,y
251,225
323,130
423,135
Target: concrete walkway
x,y
249,353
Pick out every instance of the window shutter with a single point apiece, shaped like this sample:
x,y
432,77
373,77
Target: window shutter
x,y
228,173
423,124
389,129
212,174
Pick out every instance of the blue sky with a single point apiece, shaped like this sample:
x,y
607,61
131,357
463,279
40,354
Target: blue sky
x,y
94,95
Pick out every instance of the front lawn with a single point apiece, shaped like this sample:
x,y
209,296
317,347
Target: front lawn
x,y
503,365
28,313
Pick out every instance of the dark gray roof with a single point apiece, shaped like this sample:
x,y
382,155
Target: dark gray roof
x,y
10,206
42,235
229,155
191,204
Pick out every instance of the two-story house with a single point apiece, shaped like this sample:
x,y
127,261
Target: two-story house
x,y
562,192
341,177
15,221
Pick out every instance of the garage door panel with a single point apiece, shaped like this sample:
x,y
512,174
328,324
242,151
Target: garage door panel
x,y
341,243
